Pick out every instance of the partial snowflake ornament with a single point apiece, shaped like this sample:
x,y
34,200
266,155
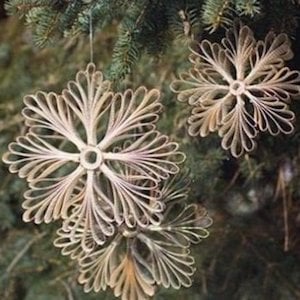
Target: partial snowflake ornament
x,y
137,260
72,159
239,88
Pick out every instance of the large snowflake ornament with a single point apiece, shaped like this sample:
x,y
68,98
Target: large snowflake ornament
x,y
135,261
76,150
240,87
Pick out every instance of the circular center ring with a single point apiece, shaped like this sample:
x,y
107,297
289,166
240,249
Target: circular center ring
x,y
91,158
237,88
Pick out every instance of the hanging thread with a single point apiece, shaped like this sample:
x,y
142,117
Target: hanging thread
x,y
91,38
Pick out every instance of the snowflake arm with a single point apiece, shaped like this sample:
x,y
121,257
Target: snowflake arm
x,y
269,54
208,117
34,158
272,115
131,112
281,84
134,202
151,154
189,226
197,86
238,46
238,130
172,266
50,199
96,268
89,98
51,113
94,212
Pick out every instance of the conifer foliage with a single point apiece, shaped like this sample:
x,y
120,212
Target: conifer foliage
x,y
145,26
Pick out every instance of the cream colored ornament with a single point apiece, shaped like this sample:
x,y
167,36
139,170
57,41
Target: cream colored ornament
x,y
239,88
74,156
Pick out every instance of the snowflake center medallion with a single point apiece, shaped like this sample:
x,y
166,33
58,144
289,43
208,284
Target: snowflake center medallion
x,y
237,88
91,158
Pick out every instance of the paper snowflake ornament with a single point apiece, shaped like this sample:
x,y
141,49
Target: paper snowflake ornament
x,y
239,88
138,260
76,150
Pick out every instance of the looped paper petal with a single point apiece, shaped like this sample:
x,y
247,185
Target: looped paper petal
x,y
134,202
175,189
50,199
96,268
215,60
239,48
238,131
34,158
281,84
130,282
207,118
268,54
172,266
51,114
198,86
189,226
94,212
131,111
89,98
272,115
151,154
70,243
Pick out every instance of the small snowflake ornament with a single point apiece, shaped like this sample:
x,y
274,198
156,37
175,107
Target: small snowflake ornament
x,y
76,150
239,88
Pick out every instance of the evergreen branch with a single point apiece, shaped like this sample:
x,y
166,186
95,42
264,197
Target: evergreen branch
x,y
23,7
125,55
147,25
184,21
248,7
127,49
217,13
70,15
154,28
45,23
103,13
